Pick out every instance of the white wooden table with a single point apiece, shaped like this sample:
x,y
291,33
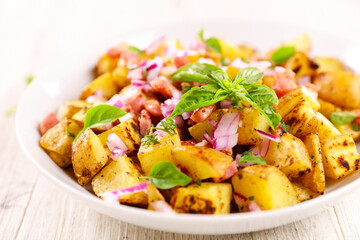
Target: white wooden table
x,y
34,34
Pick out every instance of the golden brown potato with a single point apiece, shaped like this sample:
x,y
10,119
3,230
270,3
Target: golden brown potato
x,y
127,131
106,64
88,156
302,120
326,129
301,43
340,156
328,64
340,88
105,83
201,162
291,99
303,192
72,107
149,156
57,141
79,117
269,187
301,65
326,108
119,174
348,129
314,180
153,195
119,76
208,198
290,156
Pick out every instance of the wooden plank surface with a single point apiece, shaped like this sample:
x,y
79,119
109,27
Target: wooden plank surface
x,y
34,34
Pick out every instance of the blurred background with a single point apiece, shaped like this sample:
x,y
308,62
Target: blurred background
x,y
35,33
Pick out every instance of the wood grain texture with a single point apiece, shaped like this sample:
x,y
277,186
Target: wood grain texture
x,y
33,34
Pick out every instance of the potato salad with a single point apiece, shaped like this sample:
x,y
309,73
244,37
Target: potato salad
x,y
209,127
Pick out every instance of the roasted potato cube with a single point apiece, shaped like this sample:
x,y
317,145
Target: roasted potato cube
x,y
301,65
348,129
119,76
340,88
153,195
106,64
314,180
291,99
149,156
232,71
72,107
129,133
57,141
105,83
326,108
302,43
202,162
269,187
199,129
302,120
208,198
119,174
325,128
290,156
328,64
229,50
303,193
340,156
88,156
79,117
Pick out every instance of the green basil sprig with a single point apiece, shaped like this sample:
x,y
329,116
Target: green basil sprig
x,y
283,54
243,88
100,115
165,175
212,43
339,118
135,50
252,159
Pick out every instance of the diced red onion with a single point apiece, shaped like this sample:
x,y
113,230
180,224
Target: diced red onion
x,y
207,138
154,45
179,122
186,115
256,151
212,122
114,196
114,141
226,104
126,117
176,94
268,136
254,207
238,63
201,144
206,60
116,153
143,63
136,74
119,104
96,96
264,147
151,67
162,206
154,71
262,65
167,108
230,171
140,84
224,135
304,80
238,156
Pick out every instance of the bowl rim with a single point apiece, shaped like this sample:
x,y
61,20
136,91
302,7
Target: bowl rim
x,y
295,210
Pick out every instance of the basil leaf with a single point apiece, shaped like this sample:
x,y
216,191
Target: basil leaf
x,y
263,95
248,76
195,72
135,50
223,79
283,54
199,97
284,126
213,44
201,35
70,134
252,159
355,126
165,175
101,115
339,118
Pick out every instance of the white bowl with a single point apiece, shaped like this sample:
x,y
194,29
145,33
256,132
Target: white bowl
x,y
66,80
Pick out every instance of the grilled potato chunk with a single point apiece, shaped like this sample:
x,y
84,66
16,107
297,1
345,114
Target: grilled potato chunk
x,y
202,162
106,64
302,120
129,133
328,64
267,184
303,193
104,83
302,43
88,156
340,88
301,65
79,117
208,198
72,107
291,99
153,195
340,156
119,174
119,76
326,108
290,156
149,156
314,180
325,128
347,129
57,141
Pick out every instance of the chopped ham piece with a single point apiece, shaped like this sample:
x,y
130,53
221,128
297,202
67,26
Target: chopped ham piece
x,y
48,122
